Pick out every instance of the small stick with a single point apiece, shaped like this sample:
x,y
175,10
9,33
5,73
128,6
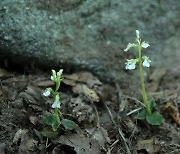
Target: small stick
x,y
135,100
133,111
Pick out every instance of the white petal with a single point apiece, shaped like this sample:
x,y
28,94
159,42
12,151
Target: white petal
x,y
126,66
52,78
137,34
130,45
145,44
146,63
46,93
130,66
56,105
60,72
54,73
126,49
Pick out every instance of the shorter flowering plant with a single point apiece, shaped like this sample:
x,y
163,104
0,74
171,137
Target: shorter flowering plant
x,y
153,118
53,119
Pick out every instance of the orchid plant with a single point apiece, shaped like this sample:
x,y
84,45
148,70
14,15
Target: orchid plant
x,y
153,118
53,119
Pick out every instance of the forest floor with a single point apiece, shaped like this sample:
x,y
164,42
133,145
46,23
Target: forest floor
x,y
101,111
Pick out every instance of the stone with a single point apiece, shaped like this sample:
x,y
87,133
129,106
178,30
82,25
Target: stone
x,y
88,34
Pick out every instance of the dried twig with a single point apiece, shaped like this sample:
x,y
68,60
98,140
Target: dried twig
x,y
132,98
133,111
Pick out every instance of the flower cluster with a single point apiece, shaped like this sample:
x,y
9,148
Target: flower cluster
x,y
56,77
131,63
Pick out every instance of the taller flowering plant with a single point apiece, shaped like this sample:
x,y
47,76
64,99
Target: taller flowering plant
x,y
153,118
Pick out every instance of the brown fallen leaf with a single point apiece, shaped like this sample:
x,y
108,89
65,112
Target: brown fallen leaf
x,y
101,135
156,78
43,83
148,145
33,120
104,92
79,143
82,77
82,110
74,77
4,73
84,89
173,112
69,82
19,134
14,85
27,144
34,91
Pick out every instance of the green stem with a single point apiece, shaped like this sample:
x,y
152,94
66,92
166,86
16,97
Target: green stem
x,y
142,82
57,85
57,115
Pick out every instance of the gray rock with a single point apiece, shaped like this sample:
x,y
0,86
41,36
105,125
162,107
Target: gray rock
x,y
88,34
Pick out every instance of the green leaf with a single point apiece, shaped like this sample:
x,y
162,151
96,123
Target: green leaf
x,y
49,133
140,115
50,119
68,124
154,119
152,104
55,126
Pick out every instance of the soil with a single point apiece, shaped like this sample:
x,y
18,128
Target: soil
x,y
99,109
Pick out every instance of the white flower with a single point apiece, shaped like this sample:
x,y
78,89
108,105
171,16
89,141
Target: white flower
x,y
56,104
131,64
130,45
137,34
145,44
46,93
60,72
53,76
146,62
